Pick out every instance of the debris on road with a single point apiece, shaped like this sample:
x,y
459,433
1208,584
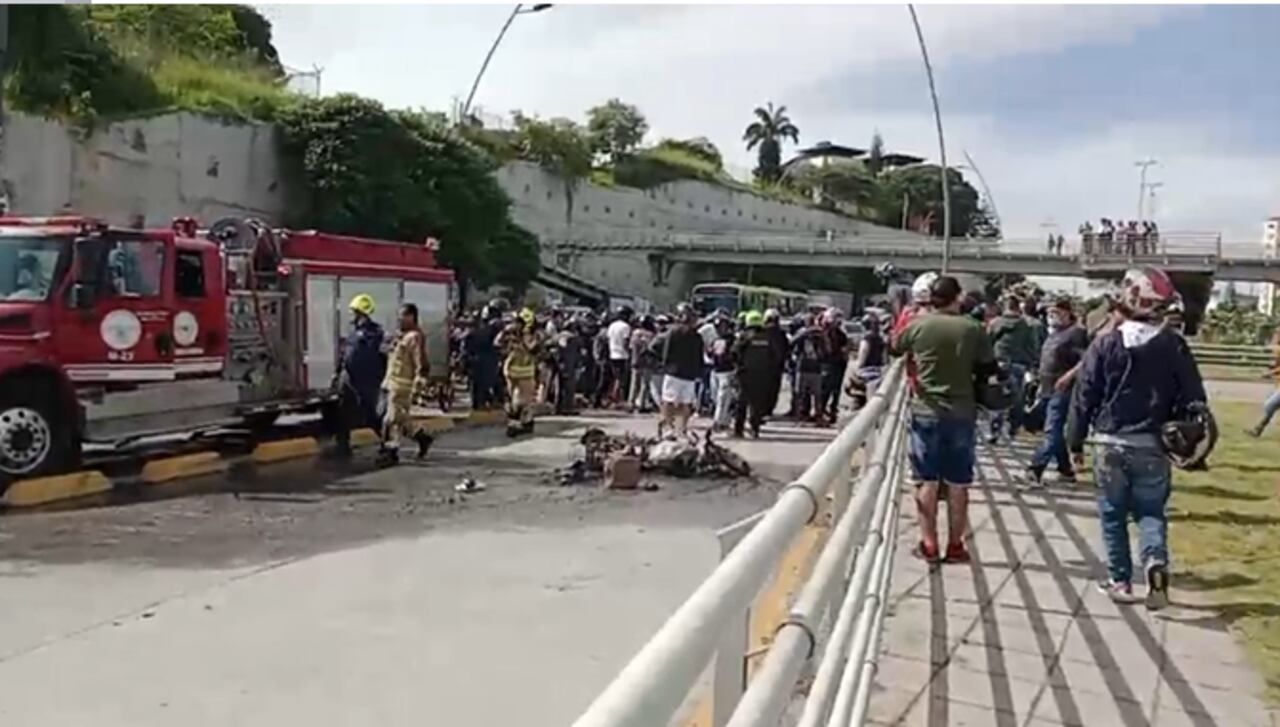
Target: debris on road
x,y
470,485
620,459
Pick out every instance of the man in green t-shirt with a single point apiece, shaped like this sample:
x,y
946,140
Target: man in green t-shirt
x,y
949,351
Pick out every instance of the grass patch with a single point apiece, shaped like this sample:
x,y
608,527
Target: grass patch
x,y
239,89
1225,536
1218,372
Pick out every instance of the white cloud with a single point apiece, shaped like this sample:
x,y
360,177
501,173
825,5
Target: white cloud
x,y
698,70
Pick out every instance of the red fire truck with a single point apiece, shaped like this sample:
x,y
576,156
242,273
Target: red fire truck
x,y
110,335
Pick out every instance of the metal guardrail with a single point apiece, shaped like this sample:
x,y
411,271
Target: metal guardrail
x,y
852,571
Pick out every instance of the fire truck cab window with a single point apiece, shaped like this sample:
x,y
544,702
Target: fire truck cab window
x,y
134,268
189,274
28,266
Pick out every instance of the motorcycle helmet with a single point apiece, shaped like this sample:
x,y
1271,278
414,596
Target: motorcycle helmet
x,y
922,288
1146,292
1189,439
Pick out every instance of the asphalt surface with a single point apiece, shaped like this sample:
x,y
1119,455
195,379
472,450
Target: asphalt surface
x,y
320,594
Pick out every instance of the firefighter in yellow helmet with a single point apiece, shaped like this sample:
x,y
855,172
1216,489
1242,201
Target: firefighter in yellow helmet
x,y
520,344
361,367
406,375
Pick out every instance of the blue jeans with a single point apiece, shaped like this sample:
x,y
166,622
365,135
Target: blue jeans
x,y
941,448
1013,417
1133,482
1269,409
1054,446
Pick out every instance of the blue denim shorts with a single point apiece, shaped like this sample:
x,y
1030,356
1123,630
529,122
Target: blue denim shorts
x,y
941,449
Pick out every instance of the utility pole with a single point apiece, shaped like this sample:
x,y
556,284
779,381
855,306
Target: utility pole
x,y
942,146
1143,164
1151,193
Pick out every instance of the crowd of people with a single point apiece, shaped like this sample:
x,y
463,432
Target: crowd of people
x,y
1118,238
728,368
1129,386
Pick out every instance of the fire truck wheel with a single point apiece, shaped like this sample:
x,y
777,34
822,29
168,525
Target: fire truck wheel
x,y
32,439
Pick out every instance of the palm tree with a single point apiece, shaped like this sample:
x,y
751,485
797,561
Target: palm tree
x,y
768,131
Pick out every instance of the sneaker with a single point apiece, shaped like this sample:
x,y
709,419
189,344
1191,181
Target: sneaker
x,y
993,439
928,552
1254,432
424,444
1157,586
957,553
1034,477
1117,592
1067,478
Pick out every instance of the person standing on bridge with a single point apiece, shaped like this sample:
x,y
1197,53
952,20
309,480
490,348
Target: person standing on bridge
x,y
1133,381
950,352
406,375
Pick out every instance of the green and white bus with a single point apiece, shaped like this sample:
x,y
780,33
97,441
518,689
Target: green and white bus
x,y
735,298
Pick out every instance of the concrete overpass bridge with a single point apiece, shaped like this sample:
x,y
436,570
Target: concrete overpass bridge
x,y
1185,253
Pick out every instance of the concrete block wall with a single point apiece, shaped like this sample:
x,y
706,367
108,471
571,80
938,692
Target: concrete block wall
x,y
147,171
623,214
142,170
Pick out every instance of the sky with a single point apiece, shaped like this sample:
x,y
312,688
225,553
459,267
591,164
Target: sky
x,y
1053,103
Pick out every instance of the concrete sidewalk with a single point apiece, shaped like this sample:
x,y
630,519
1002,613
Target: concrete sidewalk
x,y
1022,636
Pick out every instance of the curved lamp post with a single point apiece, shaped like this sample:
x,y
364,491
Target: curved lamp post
x,y
942,145
519,9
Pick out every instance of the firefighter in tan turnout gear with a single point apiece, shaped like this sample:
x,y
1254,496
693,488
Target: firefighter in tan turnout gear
x,y
406,376
521,344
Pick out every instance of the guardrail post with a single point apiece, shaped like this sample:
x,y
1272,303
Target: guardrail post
x,y
729,676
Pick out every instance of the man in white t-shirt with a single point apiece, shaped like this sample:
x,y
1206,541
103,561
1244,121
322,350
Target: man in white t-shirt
x,y
618,335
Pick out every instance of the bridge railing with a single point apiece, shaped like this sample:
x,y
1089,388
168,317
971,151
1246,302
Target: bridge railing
x,y
835,620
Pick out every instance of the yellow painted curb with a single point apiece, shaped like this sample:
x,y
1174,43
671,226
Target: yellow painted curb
x,y
187,465
487,416
435,425
363,437
41,490
286,449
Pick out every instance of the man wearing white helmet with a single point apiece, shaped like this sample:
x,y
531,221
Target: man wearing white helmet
x,y
1133,380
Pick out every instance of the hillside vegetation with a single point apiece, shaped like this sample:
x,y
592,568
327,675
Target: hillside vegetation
x,y
84,63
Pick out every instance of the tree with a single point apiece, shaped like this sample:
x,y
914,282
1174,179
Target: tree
x,y
559,146
399,175
984,223
771,127
875,155
917,186
845,182
616,129
698,147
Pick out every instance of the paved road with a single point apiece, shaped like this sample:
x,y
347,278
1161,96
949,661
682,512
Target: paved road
x,y
318,596
1023,637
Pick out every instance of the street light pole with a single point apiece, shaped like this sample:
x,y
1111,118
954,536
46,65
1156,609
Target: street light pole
x,y
1142,181
942,145
985,190
519,9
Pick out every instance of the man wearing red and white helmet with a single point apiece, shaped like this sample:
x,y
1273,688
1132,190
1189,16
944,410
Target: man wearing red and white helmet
x,y
1134,379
